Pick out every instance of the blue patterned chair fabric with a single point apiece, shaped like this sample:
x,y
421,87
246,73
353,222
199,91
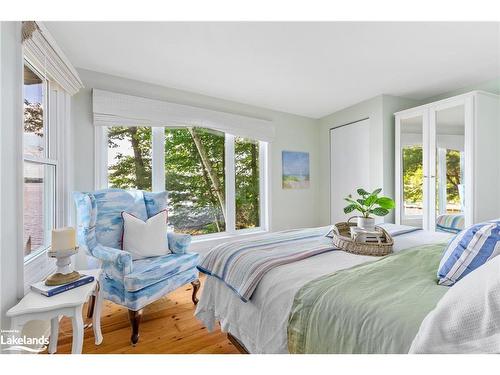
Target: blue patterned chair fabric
x,y
132,283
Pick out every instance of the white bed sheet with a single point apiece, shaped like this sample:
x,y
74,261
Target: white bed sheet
x,y
261,323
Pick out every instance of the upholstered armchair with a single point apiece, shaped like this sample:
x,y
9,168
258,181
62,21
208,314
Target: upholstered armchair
x,y
132,283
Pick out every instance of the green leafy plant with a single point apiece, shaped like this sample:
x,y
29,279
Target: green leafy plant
x,y
369,203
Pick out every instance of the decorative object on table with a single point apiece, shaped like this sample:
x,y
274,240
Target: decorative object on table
x,y
367,204
295,170
363,235
49,291
62,248
376,243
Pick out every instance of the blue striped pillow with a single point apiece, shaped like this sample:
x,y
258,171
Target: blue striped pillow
x,y
470,249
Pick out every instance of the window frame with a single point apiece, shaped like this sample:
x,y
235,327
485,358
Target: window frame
x,y
159,178
40,53
37,265
49,158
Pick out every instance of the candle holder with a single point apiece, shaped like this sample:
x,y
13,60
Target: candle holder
x,y
63,247
63,274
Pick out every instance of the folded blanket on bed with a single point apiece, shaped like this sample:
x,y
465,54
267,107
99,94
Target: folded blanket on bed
x,y
242,264
376,307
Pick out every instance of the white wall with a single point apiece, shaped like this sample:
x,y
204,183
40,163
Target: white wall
x,y
10,162
380,111
289,208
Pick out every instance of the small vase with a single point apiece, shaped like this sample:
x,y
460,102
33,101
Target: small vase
x,y
366,223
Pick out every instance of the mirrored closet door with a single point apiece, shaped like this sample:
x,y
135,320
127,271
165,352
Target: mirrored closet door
x,y
448,165
411,166
447,162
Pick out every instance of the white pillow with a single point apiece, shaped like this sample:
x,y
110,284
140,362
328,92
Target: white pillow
x,y
145,239
467,318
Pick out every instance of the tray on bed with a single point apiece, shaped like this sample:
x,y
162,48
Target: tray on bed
x,y
341,236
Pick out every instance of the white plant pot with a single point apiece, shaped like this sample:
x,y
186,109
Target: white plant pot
x,y
366,223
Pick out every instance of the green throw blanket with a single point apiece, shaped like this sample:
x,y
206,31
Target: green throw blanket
x,y
375,307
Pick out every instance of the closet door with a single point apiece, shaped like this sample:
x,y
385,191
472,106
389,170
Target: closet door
x,y
412,168
450,125
349,165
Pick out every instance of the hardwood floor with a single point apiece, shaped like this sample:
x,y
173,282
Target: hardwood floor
x,y
168,326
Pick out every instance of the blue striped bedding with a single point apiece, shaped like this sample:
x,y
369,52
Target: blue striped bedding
x,y
470,249
242,264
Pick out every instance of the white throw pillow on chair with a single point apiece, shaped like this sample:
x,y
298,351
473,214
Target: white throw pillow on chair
x,y
143,239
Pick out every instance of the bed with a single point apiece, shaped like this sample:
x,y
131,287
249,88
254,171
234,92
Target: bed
x,y
269,321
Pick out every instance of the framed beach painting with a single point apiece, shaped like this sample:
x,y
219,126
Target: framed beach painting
x,y
295,170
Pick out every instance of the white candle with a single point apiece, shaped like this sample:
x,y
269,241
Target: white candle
x,y
63,238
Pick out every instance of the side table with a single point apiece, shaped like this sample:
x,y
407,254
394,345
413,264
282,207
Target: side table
x,y
35,306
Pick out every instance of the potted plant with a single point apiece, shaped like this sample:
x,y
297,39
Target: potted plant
x,y
367,204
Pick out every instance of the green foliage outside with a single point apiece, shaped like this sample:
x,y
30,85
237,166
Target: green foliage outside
x,y
33,118
247,183
131,172
195,178
196,190
452,176
413,176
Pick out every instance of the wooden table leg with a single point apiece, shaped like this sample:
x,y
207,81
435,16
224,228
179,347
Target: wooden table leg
x,y
54,334
77,323
96,317
90,308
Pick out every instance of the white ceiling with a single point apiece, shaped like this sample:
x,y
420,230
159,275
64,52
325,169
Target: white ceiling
x,y
310,69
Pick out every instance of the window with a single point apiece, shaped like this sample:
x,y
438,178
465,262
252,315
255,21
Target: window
x,y
39,188
213,179
129,157
35,132
195,173
246,154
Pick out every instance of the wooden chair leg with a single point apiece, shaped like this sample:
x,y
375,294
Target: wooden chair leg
x,y
135,318
196,286
90,307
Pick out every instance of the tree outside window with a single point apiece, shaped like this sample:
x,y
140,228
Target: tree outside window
x,y
129,157
195,175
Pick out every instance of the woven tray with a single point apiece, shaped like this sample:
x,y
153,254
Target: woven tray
x,y
341,235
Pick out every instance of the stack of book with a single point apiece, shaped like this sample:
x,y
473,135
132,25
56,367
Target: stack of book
x,y
367,236
49,291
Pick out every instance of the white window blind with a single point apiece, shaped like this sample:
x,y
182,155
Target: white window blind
x,y
114,109
41,50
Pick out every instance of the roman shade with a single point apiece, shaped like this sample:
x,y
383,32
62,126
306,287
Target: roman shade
x,y
40,48
114,109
